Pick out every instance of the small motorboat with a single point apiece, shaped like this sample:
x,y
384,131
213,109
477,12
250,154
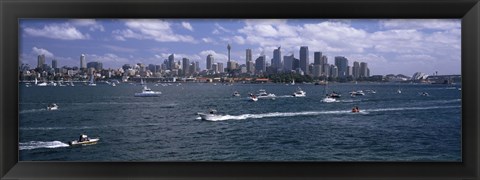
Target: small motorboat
x,y
263,94
424,94
357,93
52,107
355,109
236,93
211,115
334,95
299,93
328,99
399,91
147,92
83,140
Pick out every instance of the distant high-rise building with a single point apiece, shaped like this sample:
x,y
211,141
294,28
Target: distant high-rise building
x,y
186,66
288,63
317,70
363,69
220,67
341,63
214,68
210,61
317,58
250,67
171,62
197,66
333,71
228,48
277,60
349,71
296,64
54,64
95,65
326,70
231,65
40,60
152,68
356,69
248,55
83,62
304,60
260,64
324,60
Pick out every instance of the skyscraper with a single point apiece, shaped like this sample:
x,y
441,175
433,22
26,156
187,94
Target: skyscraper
x,y
40,60
363,69
229,47
288,63
277,60
248,55
333,71
83,62
250,67
186,66
356,69
220,67
214,68
317,58
260,64
324,60
54,64
210,61
341,63
304,60
229,65
171,62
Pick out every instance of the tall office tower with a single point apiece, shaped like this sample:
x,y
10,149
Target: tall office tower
x,y
250,67
54,64
248,55
260,64
40,60
192,68
277,60
317,58
152,68
324,60
197,66
317,70
326,70
304,60
349,71
288,63
214,68
363,69
186,66
220,67
171,62
333,71
356,69
83,62
231,65
210,61
295,64
341,63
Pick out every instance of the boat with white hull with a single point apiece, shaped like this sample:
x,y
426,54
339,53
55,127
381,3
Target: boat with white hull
x,y
147,92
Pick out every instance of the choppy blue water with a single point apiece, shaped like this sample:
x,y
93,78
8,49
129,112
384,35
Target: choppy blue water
x,y
391,126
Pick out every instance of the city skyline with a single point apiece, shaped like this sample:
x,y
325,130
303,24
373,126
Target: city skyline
x,y
389,46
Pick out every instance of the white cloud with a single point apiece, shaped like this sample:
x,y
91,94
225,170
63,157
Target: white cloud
x,y
187,25
119,48
40,51
439,24
55,31
94,25
157,30
219,57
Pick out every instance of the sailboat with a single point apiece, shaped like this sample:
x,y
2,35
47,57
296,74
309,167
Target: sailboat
x,y
327,98
92,83
293,82
71,83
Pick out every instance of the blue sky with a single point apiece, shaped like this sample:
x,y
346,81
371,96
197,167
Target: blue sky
x,y
395,46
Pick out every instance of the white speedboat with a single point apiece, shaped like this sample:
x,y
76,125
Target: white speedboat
x,y
399,91
147,92
52,84
253,98
113,84
263,94
236,93
84,140
92,82
328,99
299,93
357,93
52,107
424,94
211,115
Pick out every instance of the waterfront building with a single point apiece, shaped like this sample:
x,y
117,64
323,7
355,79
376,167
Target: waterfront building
x,y
185,66
95,65
363,69
171,62
220,68
288,63
349,71
341,63
317,70
40,60
260,65
326,70
333,71
304,60
356,69
83,62
54,64
248,55
296,63
317,58
277,60
210,61
324,60
250,67
214,68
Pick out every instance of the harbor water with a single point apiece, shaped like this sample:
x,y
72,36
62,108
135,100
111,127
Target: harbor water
x,y
391,126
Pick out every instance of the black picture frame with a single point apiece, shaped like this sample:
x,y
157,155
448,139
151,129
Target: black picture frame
x,y
467,10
